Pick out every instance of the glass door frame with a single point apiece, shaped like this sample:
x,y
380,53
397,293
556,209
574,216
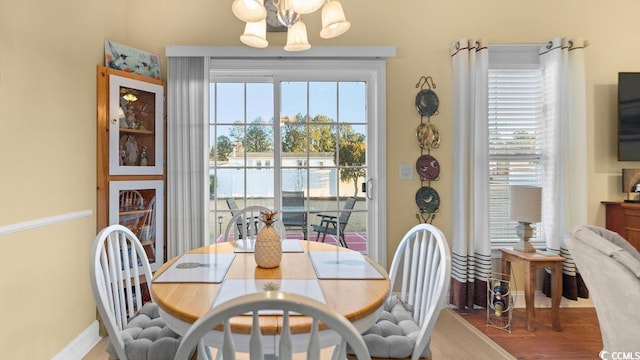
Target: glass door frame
x,y
373,72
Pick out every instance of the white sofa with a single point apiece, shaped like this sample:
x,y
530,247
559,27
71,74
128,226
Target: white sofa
x,y
610,267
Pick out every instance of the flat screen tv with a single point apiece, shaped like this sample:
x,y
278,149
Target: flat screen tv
x,y
629,116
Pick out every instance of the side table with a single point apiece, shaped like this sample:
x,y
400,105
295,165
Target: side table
x,y
532,262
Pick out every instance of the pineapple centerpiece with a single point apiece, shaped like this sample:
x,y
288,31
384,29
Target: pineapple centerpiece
x,y
268,250
268,217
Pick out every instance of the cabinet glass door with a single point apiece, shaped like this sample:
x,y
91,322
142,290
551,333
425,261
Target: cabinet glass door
x,y
138,205
135,127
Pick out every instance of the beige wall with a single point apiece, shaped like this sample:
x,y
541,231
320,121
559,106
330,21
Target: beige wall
x,y
48,55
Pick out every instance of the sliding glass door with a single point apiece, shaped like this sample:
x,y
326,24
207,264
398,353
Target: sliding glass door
x,y
307,164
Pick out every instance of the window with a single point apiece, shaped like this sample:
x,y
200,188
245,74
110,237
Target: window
x,y
516,136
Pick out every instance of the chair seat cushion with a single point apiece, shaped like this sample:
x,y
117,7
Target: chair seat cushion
x,y
394,334
147,337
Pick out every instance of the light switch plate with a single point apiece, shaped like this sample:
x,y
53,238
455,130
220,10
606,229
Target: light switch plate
x,y
406,172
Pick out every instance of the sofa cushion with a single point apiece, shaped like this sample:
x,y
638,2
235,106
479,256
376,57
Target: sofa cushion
x,y
628,261
612,245
615,239
147,337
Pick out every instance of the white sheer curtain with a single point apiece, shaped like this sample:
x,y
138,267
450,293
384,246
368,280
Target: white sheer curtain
x,y
471,250
564,186
187,88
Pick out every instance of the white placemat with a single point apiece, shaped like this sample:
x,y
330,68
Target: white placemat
x,y
343,265
233,288
204,268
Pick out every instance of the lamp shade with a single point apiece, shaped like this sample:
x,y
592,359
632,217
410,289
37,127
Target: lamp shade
x,y
305,6
525,203
334,23
249,10
297,38
255,34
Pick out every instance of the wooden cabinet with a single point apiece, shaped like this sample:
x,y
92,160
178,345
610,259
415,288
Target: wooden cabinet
x,y
130,163
624,218
632,223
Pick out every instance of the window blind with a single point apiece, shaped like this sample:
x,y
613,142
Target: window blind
x,y
515,143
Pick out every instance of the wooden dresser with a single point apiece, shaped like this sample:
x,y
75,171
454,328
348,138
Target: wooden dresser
x,y
624,218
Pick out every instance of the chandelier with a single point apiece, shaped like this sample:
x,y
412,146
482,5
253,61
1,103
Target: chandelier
x,y
289,12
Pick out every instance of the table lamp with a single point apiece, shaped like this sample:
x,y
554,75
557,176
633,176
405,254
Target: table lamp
x,y
525,209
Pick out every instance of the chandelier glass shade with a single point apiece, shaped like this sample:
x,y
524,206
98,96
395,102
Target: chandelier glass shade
x,y
255,34
333,21
297,38
249,10
306,6
254,13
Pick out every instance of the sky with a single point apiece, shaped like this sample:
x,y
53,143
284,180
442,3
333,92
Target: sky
x,y
344,101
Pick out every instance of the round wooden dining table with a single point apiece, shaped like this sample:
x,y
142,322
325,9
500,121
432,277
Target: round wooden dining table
x,y
360,300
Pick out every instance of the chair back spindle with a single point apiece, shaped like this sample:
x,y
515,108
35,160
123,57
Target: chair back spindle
x,y
287,303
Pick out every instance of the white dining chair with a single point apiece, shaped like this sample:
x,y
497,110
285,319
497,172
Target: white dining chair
x,y
245,224
119,271
420,276
291,305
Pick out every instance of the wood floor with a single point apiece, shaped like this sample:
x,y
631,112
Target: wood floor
x,y
579,339
464,336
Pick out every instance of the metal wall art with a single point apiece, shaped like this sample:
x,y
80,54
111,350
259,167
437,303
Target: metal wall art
x,y
428,137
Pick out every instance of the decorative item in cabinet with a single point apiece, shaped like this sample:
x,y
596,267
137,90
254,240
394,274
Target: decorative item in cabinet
x,y
138,206
136,114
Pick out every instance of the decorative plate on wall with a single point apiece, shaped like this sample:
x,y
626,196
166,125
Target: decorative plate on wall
x,y
427,102
428,168
427,199
428,136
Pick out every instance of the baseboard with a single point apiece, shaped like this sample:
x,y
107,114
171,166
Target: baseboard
x,y
542,301
81,345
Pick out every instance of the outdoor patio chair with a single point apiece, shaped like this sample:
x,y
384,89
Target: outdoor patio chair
x,y
294,200
334,225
